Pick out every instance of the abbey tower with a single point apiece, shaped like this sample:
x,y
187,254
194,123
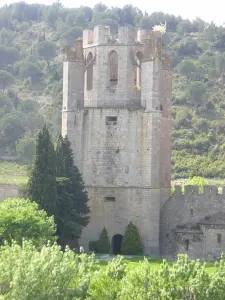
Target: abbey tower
x,y
117,114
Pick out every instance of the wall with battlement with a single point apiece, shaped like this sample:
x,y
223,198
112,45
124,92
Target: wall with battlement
x,y
102,35
186,210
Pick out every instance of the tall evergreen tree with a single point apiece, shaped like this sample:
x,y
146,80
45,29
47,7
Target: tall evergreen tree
x,y
72,203
42,182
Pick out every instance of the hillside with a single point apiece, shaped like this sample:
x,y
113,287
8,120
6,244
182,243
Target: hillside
x,y
31,41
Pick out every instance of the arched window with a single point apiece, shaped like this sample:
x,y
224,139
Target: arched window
x,y
137,79
113,67
89,74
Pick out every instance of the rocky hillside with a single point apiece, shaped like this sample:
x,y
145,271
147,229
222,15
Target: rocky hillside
x,y
31,39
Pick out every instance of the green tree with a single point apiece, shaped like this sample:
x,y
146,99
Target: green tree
x,y
8,56
71,35
186,68
131,243
6,79
42,182
100,7
21,219
46,50
26,273
72,204
11,128
146,22
196,93
103,245
197,180
25,148
31,70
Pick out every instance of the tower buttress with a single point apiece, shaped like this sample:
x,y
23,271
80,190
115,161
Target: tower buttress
x,y
73,94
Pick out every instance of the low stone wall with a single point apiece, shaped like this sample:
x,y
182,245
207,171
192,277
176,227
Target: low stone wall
x,y
8,191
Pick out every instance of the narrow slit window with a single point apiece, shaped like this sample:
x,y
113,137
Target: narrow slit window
x,y
110,199
219,238
111,120
137,79
113,67
187,245
89,72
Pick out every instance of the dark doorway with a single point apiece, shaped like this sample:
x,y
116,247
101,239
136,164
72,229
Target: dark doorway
x,y
116,243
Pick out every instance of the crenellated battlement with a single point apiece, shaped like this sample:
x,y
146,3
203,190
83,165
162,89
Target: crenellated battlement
x,y
189,190
102,35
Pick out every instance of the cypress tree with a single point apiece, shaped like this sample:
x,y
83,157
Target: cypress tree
x,y
131,244
103,245
72,201
42,182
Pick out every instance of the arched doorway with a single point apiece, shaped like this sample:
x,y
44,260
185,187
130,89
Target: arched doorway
x,y
116,243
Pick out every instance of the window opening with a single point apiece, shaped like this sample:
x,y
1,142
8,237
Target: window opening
x,y
111,120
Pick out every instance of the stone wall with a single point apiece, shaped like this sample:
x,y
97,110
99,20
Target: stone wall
x,y
8,191
141,206
121,134
185,211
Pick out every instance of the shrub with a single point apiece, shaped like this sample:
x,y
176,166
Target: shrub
x,y
103,244
20,218
93,246
197,180
131,243
26,273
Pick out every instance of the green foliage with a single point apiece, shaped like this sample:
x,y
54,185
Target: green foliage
x,y
103,245
42,182
46,50
11,128
131,243
197,180
93,246
31,70
6,79
186,68
26,149
72,198
26,273
21,219
8,56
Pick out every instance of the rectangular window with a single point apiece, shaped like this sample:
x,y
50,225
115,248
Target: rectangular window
x,y
110,199
219,238
111,120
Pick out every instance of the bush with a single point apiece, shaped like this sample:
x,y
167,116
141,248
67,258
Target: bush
x,y
26,273
131,243
103,245
93,246
20,218
197,180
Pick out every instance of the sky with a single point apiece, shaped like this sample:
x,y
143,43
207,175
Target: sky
x,y
206,10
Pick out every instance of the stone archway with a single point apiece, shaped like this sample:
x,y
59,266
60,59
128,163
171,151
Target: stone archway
x,y
116,243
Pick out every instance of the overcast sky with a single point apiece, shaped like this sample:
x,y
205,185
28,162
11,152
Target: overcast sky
x,y
207,10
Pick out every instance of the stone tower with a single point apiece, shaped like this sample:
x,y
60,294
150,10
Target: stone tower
x,y
117,115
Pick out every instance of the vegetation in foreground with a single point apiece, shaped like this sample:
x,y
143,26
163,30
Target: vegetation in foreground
x,y
26,273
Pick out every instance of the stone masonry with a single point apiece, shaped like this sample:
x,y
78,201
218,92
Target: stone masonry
x,y
117,115
117,93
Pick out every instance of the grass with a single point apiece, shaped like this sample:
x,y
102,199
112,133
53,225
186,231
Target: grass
x,y
134,261
13,173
